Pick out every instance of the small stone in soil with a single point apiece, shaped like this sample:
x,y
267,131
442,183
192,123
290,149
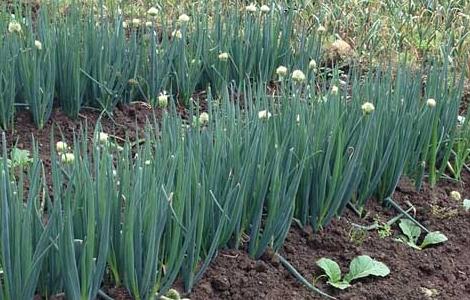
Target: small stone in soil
x,y
429,293
289,249
220,283
261,266
427,269
206,287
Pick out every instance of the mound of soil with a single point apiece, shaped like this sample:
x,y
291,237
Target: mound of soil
x,y
125,121
440,272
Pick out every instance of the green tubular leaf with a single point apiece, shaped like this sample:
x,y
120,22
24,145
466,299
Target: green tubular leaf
x,y
237,176
67,254
433,238
331,269
23,231
363,266
8,83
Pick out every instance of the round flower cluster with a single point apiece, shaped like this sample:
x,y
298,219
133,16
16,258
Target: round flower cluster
x,y
203,118
153,12
223,56
136,22
264,8
103,137
163,100
281,71
264,115
298,76
67,158
62,149
177,34
334,90
38,45
431,103
367,108
14,27
312,65
184,18
251,8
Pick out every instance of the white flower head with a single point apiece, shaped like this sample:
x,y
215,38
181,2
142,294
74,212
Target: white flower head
x,y
203,118
431,103
103,137
136,22
163,100
195,61
177,34
61,147
367,108
67,158
133,82
251,8
334,90
14,26
147,162
455,195
184,18
281,71
312,64
125,25
264,115
148,24
321,29
38,45
297,118
298,76
460,120
265,8
223,56
153,11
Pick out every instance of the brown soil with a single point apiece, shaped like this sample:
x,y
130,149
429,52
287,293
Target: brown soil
x,y
441,272
125,121
465,97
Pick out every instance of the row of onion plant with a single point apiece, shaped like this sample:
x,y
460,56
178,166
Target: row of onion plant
x,y
143,213
85,56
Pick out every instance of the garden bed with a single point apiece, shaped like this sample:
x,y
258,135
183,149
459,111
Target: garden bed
x,y
441,272
233,152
